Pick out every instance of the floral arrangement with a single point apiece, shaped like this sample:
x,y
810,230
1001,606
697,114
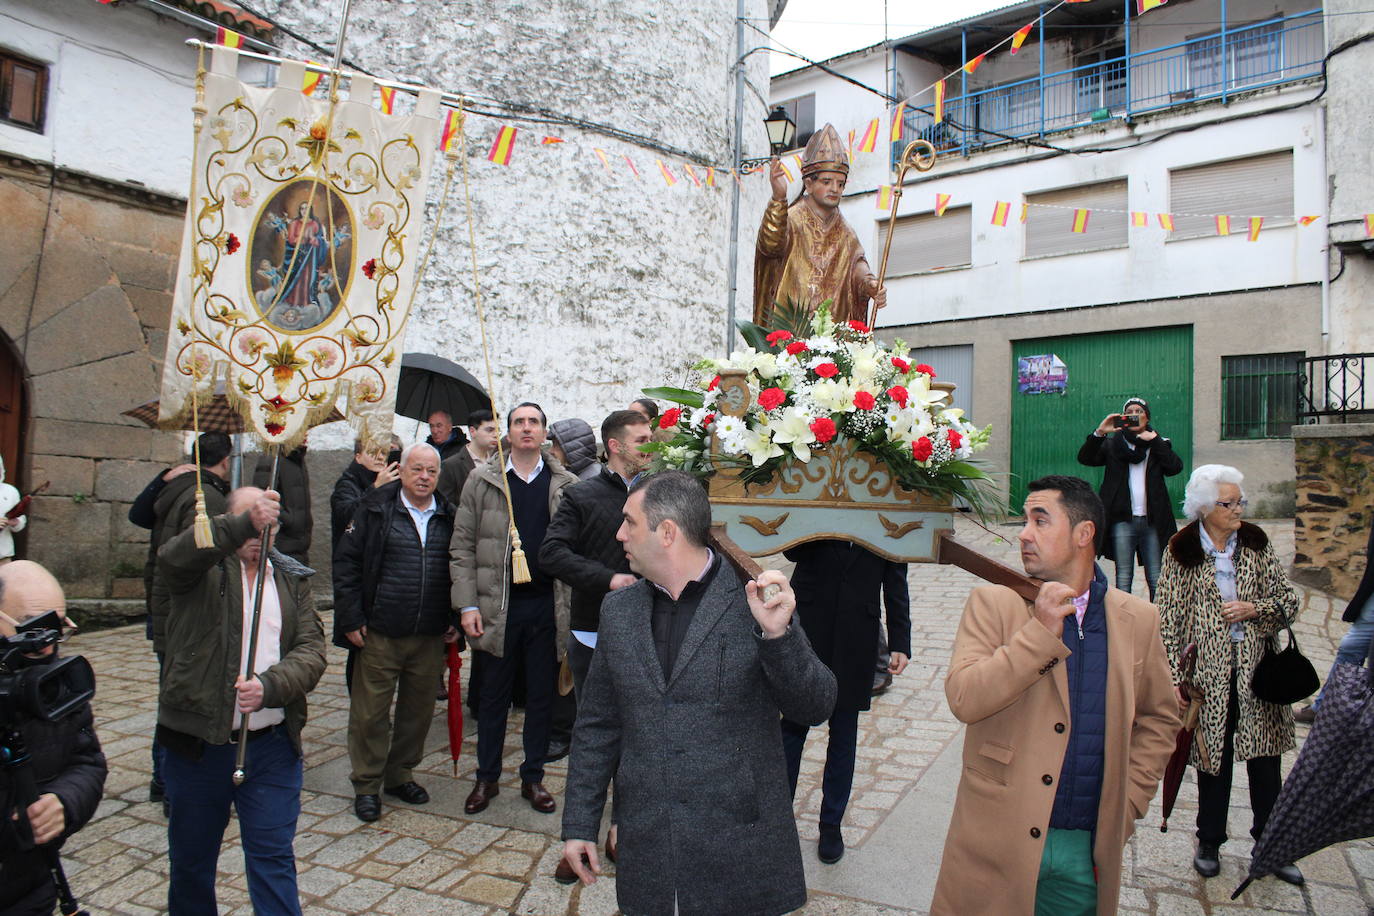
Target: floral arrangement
x,y
812,393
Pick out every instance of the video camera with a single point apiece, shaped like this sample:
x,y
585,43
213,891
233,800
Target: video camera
x,y
36,685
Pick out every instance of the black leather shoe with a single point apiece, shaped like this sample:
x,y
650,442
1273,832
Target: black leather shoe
x,y
481,796
410,792
830,849
1207,862
156,791
367,807
1307,715
557,751
564,873
538,797
1290,874
880,684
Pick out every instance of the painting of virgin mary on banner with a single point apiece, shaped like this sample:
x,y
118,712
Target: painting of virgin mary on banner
x,y
298,257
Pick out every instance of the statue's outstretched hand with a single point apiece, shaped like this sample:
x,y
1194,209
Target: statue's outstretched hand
x,y
778,178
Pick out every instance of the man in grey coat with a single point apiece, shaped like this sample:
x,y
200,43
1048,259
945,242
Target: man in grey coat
x,y
691,676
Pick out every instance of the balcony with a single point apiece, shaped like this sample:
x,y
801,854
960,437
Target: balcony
x,y
1332,389
1217,66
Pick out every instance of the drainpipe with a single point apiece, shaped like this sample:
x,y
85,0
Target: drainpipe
x,y
963,89
1225,70
1126,7
737,147
1326,221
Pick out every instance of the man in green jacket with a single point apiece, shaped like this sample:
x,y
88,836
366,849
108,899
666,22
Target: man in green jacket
x,y
204,690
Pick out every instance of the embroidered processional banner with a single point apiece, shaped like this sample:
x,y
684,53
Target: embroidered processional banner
x,y
303,228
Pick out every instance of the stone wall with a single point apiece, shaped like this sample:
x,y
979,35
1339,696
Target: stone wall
x,y
1334,470
85,270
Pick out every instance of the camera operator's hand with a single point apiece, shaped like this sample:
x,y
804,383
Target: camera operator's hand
x,y
250,694
1108,425
1147,435
47,818
387,474
266,510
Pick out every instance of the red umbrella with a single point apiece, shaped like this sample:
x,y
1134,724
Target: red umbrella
x,y
1173,773
455,705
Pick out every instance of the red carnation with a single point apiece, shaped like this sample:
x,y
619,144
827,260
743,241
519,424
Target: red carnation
x,y
796,346
901,364
771,397
864,401
708,420
898,394
670,418
955,439
922,449
231,244
859,326
715,383
923,368
824,429
827,370
370,268
778,336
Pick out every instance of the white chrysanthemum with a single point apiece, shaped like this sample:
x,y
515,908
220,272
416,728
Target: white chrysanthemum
x,y
822,345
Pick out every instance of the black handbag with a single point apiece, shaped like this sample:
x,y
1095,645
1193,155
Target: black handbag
x,y
1286,676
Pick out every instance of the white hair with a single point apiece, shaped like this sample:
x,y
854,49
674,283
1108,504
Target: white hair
x,y
405,455
1201,493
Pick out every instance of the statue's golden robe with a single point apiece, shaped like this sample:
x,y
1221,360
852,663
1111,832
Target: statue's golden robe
x,y
800,257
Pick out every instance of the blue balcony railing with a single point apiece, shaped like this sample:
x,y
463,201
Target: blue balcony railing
x,y
1267,53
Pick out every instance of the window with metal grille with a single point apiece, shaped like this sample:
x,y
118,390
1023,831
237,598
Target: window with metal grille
x,y
1253,186
1259,395
23,91
925,242
802,111
1050,219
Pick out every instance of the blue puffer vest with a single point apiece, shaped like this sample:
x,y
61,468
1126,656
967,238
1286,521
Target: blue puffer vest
x,y
1080,777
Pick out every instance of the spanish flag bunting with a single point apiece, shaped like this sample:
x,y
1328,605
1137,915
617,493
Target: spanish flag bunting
x,y
631,163
605,163
1141,6
451,119
787,173
1025,208
710,176
691,174
797,161
503,145
1140,218
1020,37
939,101
388,98
734,173
869,142
668,177
851,147
897,121
228,37
974,64
1369,225
1255,223
1166,222
1308,220
550,141
884,200
311,81
999,213
1080,220
941,202
1223,225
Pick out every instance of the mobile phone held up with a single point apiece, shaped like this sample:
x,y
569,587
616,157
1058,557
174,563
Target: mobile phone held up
x,y
393,456
1126,421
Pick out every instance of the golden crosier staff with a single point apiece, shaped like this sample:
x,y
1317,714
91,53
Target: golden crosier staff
x,y
918,155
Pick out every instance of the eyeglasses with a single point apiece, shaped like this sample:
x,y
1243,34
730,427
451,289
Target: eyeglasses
x,y
1233,505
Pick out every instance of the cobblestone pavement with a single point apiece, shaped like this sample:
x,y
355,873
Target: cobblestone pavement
x,y
434,859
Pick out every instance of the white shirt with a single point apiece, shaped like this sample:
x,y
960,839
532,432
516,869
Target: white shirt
x,y
539,466
421,517
269,641
1138,506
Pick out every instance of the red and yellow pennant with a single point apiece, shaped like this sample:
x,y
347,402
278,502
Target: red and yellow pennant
x,y
1080,220
941,202
884,198
1025,208
1255,223
388,99
311,81
869,142
975,63
1141,6
999,212
631,163
710,176
1020,37
1223,225
451,121
897,126
850,147
786,172
668,177
1369,225
550,141
228,37
1307,220
605,163
691,174
1140,218
1166,222
939,101
503,145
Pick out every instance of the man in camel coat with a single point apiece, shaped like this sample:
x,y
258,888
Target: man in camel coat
x,y
1059,759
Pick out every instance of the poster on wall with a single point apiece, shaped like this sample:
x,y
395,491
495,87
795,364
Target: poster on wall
x,y
1043,374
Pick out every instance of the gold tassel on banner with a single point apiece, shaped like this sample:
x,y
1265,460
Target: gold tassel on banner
x,y
204,535
519,566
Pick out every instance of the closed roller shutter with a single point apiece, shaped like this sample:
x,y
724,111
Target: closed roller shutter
x,y
926,242
1253,186
1049,219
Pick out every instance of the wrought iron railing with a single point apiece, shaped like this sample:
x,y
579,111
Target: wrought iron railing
x,y
1335,387
1268,53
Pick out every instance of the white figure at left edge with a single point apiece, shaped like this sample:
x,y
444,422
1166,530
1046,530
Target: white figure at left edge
x,y
9,498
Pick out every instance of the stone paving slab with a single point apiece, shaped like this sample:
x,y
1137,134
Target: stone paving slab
x,y
435,859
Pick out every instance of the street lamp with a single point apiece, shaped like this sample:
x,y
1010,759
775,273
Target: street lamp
x,y
781,130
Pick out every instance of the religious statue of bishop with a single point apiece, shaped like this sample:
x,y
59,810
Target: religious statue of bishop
x,y
806,251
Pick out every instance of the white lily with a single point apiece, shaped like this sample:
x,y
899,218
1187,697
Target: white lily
x,y
793,429
759,445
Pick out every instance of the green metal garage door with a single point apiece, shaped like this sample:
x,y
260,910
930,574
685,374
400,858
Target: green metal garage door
x,y
1102,371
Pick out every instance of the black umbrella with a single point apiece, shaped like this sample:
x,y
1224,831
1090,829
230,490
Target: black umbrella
x,y
1328,796
429,383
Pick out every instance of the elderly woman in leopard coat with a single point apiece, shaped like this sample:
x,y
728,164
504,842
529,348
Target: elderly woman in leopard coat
x,y
1223,588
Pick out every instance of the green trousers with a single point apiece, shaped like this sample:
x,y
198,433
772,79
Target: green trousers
x,y
407,667
1067,885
